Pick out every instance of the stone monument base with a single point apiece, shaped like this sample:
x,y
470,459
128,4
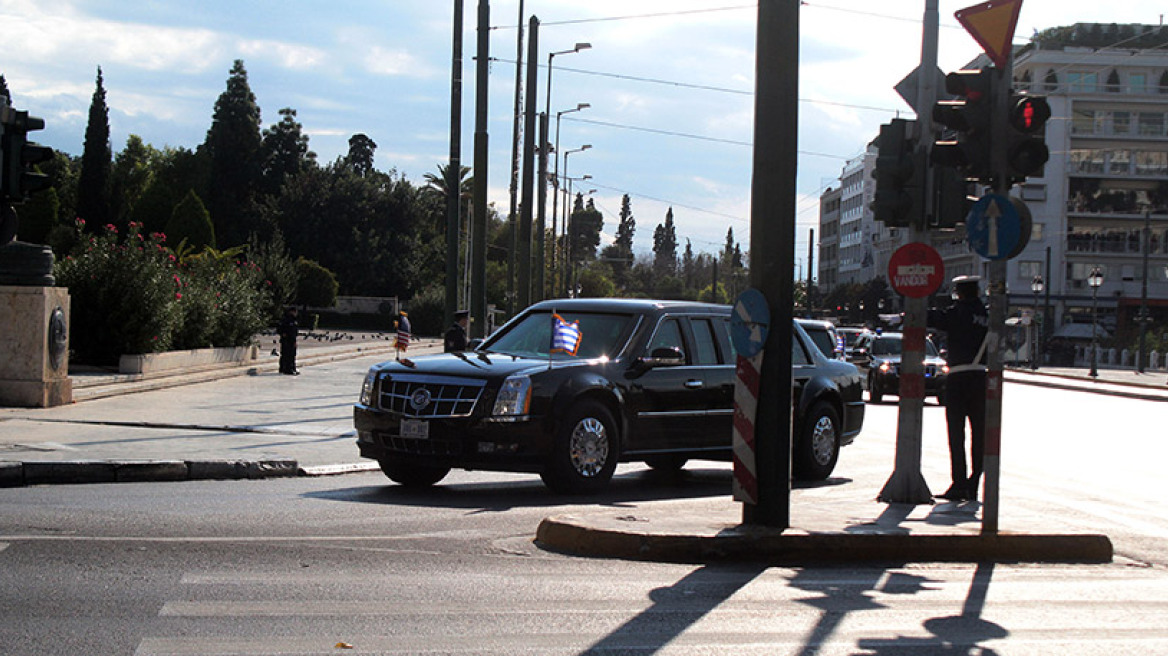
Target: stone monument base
x,y
34,347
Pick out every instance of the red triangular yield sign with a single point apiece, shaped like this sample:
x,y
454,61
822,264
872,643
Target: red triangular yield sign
x,y
992,25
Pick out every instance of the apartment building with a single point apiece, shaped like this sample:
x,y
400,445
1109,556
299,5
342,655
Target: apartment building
x,y
1107,178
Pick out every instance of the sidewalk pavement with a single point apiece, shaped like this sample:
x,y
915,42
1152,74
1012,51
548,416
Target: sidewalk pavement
x,y
256,423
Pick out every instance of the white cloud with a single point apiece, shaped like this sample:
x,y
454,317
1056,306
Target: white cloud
x,y
385,61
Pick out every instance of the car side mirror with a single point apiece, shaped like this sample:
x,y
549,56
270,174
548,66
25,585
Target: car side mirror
x,y
665,356
474,344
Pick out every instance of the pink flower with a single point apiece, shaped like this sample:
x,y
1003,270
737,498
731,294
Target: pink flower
x,y
109,227
178,296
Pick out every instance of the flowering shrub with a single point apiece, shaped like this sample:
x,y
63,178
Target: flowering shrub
x,y
132,294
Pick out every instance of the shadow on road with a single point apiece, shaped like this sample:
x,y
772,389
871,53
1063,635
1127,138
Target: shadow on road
x,y
529,491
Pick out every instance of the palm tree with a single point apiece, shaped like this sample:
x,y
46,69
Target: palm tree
x,y
440,182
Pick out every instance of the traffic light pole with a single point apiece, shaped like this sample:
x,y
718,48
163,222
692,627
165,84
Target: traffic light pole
x,y
907,485
999,159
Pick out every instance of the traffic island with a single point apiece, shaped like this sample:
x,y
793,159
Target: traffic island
x,y
638,538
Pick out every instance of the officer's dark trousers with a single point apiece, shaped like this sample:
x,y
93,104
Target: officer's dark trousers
x,y
287,356
965,401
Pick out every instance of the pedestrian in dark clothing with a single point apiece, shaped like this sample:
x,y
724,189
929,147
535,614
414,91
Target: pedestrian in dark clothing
x,y
966,323
287,331
456,336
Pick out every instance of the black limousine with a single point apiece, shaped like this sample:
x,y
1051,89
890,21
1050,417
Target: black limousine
x,y
569,388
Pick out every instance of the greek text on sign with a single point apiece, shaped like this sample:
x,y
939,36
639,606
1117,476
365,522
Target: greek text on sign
x,y
916,270
914,275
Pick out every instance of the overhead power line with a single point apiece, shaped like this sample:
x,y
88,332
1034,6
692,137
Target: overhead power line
x,y
700,87
671,133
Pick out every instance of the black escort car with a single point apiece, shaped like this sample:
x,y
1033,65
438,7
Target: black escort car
x,y
569,388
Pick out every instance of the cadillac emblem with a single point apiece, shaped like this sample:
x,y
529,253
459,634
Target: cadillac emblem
x,y
420,399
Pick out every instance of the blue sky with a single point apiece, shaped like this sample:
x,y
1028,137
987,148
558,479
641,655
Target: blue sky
x,y
669,84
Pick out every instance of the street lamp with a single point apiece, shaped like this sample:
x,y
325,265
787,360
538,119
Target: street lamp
x,y
1095,280
1036,286
548,113
556,180
567,212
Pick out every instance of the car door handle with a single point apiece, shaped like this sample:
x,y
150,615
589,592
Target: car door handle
x,y
693,384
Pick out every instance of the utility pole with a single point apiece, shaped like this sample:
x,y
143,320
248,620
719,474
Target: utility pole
x,y
538,293
1142,354
907,485
454,169
810,269
516,127
523,293
772,223
478,286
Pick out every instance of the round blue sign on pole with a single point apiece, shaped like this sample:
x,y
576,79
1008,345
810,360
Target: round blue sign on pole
x,y
993,227
749,323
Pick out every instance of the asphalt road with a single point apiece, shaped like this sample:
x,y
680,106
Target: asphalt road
x,y
300,566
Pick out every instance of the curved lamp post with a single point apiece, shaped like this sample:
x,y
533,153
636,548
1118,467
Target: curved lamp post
x,y
1095,280
1036,286
568,213
555,180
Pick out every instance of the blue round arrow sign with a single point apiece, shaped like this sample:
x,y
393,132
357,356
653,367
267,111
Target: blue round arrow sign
x,y
749,323
993,227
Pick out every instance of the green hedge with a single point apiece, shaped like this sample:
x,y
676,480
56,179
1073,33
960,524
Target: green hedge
x,y
132,295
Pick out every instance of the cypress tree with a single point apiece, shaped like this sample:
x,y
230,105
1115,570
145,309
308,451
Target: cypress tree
x,y
234,147
93,187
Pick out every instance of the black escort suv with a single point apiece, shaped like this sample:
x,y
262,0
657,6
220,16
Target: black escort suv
x,y
569,388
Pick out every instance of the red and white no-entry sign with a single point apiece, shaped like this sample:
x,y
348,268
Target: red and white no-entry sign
x,y
916,270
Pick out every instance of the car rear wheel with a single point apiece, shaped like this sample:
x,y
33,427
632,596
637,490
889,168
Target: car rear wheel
x,y
410,474
818,448
875,394
585,451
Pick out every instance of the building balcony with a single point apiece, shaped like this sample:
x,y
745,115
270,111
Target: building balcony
x,y
1117,242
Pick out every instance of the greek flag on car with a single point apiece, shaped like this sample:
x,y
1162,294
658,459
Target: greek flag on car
x,y
565,336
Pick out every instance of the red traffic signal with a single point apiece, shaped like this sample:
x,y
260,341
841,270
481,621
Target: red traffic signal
x,y
1029,114
1027,151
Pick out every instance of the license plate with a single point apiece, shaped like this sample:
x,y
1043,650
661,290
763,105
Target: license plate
x,y
415,428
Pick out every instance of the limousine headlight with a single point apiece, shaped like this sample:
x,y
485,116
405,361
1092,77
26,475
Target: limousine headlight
x,y
514,398
367,387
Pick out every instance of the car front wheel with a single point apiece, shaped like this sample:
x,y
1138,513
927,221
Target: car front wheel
x,y
585,452
410,474
818,448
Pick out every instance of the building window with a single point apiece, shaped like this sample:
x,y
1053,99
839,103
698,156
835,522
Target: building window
x,y
1083,121
1164,82
1120,163
1137,82
1051,81
1083,82
1151,124
1151,162
1036,232
1113,82
1027,270
1080,270
1121,122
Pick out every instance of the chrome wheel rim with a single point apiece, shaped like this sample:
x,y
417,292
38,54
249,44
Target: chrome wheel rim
x,y
823,440
588,449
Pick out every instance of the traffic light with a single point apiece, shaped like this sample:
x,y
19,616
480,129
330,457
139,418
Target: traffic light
x,y
1026,145
19,155
969,121
952,199
900,174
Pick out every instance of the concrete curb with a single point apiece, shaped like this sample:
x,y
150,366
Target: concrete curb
x,y
576,535
335,470
1105,387
74,472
